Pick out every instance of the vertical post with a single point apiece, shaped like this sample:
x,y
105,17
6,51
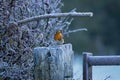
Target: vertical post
x,y
53,63
87,69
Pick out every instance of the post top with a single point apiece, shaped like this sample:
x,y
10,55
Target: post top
x,y
55,46
87,53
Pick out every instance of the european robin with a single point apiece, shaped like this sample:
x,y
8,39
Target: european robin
x,y
59,37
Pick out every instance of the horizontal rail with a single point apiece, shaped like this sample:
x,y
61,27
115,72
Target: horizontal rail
x,y
103,60
89,61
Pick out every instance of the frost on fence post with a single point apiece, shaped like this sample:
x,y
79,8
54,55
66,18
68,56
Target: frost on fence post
x,y
53,63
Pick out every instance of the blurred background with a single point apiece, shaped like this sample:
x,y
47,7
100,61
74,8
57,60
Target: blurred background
x,y
103,35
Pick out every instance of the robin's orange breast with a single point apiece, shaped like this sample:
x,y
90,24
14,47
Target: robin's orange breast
x,y
58,36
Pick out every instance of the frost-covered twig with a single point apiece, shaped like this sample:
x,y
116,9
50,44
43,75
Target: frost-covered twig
x,y
107,77
55,15
76,30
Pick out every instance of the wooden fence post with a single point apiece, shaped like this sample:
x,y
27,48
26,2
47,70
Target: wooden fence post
x,y
87,69
53,63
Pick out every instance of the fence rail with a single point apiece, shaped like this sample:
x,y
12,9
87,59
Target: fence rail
x,y
89,61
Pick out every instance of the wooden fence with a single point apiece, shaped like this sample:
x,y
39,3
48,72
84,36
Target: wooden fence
x,y
89,61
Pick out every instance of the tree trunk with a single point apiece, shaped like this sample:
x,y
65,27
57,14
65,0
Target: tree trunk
x,y
53,63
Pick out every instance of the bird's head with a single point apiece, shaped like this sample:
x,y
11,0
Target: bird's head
x,y
59,31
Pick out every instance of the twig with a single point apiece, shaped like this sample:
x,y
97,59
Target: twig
x,y
107,77
71,14
76,30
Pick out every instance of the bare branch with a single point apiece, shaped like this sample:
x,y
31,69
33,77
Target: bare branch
x,y
76,30
107,77
72,14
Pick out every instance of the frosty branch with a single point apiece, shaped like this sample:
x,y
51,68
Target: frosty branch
x,y
76,30
55,15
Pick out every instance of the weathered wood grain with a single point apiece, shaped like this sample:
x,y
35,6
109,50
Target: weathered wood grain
x,y
53,63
